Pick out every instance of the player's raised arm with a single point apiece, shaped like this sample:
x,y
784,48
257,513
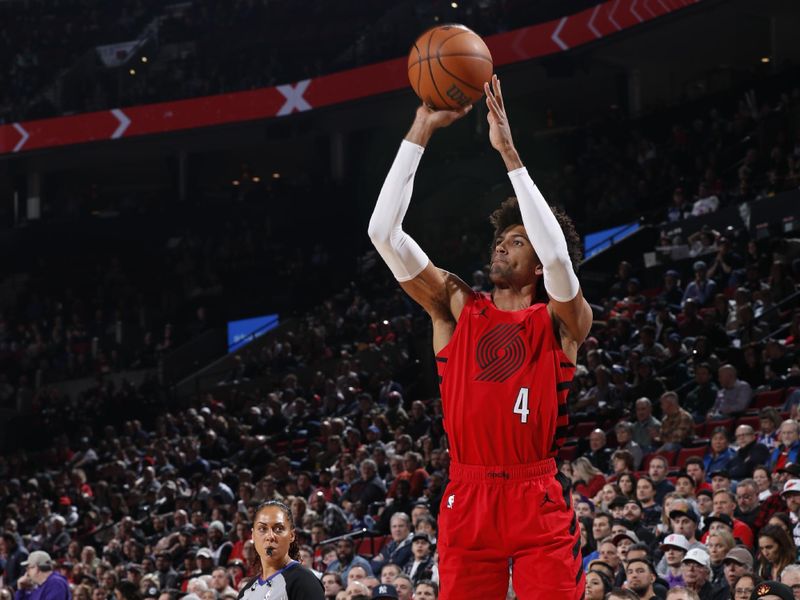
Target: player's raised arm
x,y
566,299
429,286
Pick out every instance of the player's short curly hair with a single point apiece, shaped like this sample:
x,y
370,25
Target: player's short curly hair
x,y
508,214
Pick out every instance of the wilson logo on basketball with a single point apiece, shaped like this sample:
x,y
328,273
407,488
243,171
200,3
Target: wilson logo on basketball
x,y
500,353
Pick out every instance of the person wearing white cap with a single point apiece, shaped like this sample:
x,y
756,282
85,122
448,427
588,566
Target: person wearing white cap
x,y
791,495
41,581
675,547
696,569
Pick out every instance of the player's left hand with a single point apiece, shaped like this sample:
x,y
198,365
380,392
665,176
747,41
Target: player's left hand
x,y
499,129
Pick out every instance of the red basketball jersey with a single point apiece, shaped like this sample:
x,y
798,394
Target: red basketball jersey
x,y
504,381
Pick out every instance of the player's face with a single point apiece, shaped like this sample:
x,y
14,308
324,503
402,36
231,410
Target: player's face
x,y
513,259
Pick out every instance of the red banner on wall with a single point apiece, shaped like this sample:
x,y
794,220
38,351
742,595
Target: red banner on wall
x,y
555,36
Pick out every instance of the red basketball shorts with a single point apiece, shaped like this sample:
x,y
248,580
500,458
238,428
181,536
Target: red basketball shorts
x,y
521,513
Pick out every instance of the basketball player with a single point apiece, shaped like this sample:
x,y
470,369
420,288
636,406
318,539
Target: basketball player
x,y
506,360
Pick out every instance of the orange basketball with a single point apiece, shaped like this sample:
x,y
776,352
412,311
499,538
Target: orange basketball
x,y
448,65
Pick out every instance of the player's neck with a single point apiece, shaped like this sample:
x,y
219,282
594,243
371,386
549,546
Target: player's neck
x,y
511,299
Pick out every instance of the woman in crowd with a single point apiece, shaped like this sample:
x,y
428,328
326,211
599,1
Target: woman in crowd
x,y
719,544
586,478
597,585
627,484
776,550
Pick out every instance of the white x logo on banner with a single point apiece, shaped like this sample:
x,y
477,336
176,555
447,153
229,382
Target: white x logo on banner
x,y
294,97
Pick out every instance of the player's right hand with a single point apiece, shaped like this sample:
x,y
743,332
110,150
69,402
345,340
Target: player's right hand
x,y
436,119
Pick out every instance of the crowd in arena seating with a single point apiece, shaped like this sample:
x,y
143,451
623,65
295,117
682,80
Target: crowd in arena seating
x,y
683,451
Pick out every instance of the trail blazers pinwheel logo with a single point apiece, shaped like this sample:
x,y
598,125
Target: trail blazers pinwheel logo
x,y
500,353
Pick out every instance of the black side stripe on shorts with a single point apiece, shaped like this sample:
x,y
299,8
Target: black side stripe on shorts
x,y
566,365
566,490
563,409
563,385
576,548
573,524
440,380
579,573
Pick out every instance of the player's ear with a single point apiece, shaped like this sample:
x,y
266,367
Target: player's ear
x,y
539,269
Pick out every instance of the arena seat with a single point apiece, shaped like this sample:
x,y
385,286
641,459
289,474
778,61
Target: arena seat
x,y
582,430
751,420
710,426
568,452
771,398
685,453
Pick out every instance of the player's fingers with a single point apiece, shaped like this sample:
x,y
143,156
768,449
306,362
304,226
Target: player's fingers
x,y
498,92
491,102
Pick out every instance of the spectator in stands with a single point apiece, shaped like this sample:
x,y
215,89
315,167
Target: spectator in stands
x,y
790,576
719,453
369,488
598,454
648,385
587,479
675,546
671,295
413,472
426,590
747,502
646,428
701,289
734,395
701,398
41,581
776,551
332,583
769,423
749,455
421,566
725,504
737,562
398,550
677,425
14,554
696,571
640,577
346,559
332,515
789,447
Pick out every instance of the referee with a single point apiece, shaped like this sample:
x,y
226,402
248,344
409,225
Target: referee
x,y
282,576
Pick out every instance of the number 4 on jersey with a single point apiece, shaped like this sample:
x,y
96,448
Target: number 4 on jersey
x,y
521,405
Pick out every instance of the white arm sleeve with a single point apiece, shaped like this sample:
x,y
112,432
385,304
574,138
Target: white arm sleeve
x,y
546,236
399,251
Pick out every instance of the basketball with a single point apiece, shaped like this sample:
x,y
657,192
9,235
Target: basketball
x,y
448,65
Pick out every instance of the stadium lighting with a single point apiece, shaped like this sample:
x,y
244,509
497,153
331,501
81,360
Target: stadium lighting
x,y
256,178
132,72
276,175
454,4
765,59
144,59
235,182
